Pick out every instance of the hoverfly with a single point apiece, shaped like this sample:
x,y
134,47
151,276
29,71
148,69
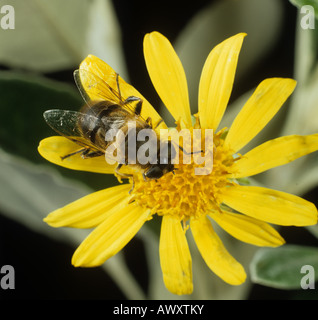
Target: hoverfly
x,y
89,126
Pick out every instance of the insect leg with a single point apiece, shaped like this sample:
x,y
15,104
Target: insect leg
x,y
159,122
129,99
125,175
118,88
91,154
83,150
138,108
138,105
85,153
149,121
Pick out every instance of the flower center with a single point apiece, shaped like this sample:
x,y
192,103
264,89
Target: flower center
x,y
193,189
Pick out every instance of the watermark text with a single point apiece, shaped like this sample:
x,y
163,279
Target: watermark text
x,y
7,277
307,20
7,17
145,146
308,280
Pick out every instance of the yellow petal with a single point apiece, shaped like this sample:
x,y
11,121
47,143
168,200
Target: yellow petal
x,y
217,81
260,108
274,153
167,75
53,148
175,258
214,253
103,71
270,205
110,236
248,229
92,209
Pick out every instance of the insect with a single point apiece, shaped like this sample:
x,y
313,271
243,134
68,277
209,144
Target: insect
x,y
111,113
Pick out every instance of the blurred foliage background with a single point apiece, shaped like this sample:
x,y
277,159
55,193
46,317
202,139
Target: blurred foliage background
x,y
37,60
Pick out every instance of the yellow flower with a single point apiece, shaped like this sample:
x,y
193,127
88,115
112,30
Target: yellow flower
x,y
183,199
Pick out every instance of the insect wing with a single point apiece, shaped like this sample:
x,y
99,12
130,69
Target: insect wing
x,y
97,89
65,122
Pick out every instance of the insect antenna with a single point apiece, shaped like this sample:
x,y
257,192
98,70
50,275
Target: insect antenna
x,y
189,153
118,87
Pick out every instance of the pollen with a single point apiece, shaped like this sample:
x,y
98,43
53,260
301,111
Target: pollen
x,y
193,189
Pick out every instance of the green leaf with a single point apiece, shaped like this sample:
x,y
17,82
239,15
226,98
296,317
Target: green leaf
x,y
103,36
56,35
29,192
313,230
48,35
24,98
22,126
281,267
300,3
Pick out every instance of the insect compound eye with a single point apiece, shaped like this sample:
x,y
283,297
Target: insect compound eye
x,y
169,168
154,173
